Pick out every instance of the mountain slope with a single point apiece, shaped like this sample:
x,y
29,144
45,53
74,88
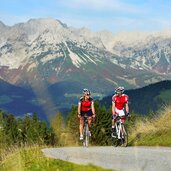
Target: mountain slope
x,y
146,99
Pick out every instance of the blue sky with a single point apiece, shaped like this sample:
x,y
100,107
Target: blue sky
x,y
97,15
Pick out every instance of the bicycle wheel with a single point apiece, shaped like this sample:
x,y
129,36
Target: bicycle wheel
x,y
115,140
124,140
86,136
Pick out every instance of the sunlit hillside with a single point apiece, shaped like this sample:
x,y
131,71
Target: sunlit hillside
x,y
154,131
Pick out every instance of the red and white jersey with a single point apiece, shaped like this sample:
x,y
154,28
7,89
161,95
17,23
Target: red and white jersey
x,y
120,101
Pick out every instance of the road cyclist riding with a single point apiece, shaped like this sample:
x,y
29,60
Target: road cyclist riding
x,y
120,109
86,113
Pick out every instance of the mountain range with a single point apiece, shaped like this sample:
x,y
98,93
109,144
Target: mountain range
x,y
55,62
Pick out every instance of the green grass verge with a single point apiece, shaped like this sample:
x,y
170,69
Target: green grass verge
x,y
155,131
32,159
157,138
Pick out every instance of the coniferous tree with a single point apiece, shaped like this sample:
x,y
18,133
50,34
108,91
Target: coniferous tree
x,y
28,130
73,124
101,127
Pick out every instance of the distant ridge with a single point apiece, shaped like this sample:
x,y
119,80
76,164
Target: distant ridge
x,y
147,99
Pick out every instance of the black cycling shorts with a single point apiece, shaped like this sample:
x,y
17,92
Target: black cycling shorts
x,y
88,113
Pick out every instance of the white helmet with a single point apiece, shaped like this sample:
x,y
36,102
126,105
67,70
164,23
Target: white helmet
x,y
119,90
86,91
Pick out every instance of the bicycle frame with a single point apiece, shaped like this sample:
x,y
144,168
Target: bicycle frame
x,y
119,127
121,133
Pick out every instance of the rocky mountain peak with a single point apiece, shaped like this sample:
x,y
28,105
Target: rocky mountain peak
x,y
2,25
55,49
45,23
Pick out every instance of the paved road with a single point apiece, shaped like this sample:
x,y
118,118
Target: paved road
x,y
118,158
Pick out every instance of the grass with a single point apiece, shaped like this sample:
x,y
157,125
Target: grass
x,y
153,132
32,159
146,132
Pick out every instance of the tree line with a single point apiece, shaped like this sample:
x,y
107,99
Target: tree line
x,y
29,130
21,131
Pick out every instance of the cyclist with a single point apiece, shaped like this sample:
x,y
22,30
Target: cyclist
x,y
119,106
85,106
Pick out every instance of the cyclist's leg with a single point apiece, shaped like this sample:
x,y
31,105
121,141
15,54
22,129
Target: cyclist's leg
x,y
89,124
81,126
113,122
89,114
123,118
114,118
89,121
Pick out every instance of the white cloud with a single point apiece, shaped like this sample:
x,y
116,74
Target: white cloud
x,y
136,24
104,5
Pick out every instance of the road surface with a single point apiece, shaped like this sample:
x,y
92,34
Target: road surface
x,y
116,158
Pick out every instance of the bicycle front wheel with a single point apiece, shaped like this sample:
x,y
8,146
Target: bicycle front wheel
x,y
86,136
115,141
124,140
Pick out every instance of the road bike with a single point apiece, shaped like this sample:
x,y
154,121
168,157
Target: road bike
x,y
86,132
120,134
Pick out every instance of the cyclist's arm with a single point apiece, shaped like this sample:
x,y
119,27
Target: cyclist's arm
x,y
127,107
113,107
93,109
79,108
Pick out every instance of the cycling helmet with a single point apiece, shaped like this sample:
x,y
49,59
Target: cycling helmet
x,y
86,91
119,90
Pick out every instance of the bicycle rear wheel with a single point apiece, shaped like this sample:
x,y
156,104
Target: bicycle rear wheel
x,y
124,140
